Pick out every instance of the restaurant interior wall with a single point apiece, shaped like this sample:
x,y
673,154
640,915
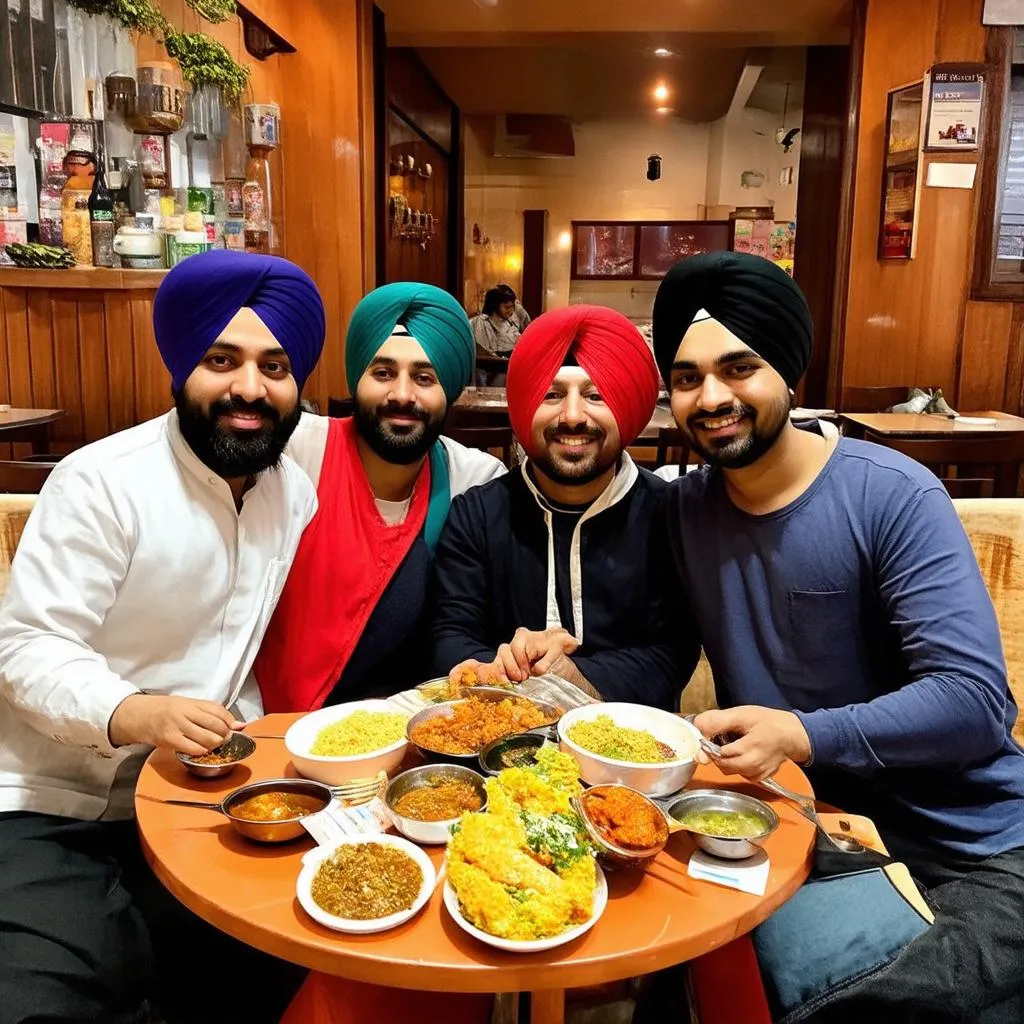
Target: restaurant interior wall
x,y
82,340
742,142
605,180
914,321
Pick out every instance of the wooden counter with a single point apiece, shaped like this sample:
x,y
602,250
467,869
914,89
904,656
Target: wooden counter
x,y
98,278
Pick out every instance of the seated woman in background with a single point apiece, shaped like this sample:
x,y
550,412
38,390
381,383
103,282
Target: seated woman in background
x,y
495,330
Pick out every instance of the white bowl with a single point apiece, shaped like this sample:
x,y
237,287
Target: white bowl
x,y
660,779
311,864
334,770
451,901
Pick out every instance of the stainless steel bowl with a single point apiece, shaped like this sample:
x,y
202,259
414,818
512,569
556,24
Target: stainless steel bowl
x,y
429,832
484,693
238,746
274,831
723,800
610,854
529,742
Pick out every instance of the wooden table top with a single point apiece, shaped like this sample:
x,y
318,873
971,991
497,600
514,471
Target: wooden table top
x,y
653,919
908,424
13,418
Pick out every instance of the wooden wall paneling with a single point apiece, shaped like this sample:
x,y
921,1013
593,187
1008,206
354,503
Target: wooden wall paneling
x,y
70,429
986,355
92,354
1013,392
19,362
120,359
41,350
910,321
413,90
152,381
818,204
535,233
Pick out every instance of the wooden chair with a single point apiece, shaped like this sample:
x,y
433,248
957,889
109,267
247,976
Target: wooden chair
x,y
14,511
669,438
1004,454
24,477
968,486
340,408
873,399
485,438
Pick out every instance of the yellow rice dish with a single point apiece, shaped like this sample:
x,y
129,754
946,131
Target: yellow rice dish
x,y
620,743
360,733
523,869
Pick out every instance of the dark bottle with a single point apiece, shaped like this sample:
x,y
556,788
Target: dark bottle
x,y
101,220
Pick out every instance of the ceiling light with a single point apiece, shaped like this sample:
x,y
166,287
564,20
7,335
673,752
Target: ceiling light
x,y
662,52
661,92
663,110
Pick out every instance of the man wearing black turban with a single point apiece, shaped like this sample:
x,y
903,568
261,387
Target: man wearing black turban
x,y
849,629
142,585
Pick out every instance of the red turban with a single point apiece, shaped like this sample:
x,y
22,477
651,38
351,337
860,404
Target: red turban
x,y
605,344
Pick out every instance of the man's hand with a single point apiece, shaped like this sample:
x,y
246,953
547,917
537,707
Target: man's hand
x,y
490,672
532,652
765,738
192,726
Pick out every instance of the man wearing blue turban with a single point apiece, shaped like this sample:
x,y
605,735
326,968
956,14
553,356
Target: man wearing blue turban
x,y
345,624
137,600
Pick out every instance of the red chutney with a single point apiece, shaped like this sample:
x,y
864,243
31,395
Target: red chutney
x,y
625,818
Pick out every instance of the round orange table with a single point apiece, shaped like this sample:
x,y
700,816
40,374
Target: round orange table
x,y
654,919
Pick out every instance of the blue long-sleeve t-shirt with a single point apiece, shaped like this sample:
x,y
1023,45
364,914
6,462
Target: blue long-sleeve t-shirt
x,y
860,607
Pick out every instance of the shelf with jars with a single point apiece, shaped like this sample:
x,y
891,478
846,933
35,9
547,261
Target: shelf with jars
x,y
408,216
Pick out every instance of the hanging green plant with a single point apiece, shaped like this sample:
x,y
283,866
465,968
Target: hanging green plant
x,y
136,15
214,11
204,61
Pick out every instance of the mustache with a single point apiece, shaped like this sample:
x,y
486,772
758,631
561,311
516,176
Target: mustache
x,y
594,433
722,411
397,409
226,406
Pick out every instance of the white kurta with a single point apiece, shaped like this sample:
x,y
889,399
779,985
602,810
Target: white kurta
x,y
135,573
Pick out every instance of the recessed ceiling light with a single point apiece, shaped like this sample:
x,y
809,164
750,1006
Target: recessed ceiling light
x,y
661,92
662,52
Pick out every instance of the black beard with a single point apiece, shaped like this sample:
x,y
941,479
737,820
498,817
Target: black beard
x,y
400,449
737,453
228,453
566,472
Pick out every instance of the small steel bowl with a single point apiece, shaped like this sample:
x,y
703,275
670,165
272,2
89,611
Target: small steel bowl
x,y
483,693
529,742
610,854
238,746
281,831
723,800
429,832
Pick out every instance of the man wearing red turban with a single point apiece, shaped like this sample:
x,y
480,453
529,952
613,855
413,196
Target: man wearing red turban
x,y
560,566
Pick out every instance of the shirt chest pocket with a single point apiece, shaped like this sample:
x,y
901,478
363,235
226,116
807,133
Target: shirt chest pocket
x,y
824,662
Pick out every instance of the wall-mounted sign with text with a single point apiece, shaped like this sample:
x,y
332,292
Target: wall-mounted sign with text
x,y
955,93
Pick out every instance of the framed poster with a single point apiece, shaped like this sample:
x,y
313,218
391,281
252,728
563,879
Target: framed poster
x,y
901,175
602,251
955,93
662,246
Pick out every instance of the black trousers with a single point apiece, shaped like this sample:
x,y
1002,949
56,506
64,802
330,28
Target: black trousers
x,y
968,968
88,933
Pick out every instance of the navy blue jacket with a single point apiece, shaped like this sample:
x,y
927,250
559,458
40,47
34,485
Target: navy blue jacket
x,y
490,576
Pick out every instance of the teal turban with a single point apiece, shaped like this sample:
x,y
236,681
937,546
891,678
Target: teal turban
x,y
430,315
440,325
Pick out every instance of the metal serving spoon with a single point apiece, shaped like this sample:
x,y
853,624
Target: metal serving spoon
x,y
847,844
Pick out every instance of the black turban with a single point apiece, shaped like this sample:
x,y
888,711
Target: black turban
x,y
751,296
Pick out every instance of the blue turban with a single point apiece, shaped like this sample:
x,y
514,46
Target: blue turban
x,y
199,297
430,315
440,325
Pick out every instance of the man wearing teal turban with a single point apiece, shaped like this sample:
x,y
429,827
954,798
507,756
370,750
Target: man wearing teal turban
x,y
346,622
